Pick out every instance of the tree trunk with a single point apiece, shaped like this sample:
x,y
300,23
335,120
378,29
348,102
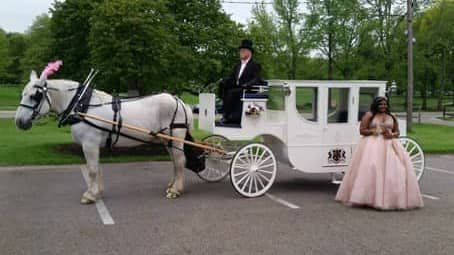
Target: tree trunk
x,y
424,96
442,85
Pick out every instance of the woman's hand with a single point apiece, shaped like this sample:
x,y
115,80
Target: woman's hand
x,y
388,134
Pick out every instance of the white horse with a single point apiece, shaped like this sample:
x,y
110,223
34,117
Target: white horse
x,y
155,113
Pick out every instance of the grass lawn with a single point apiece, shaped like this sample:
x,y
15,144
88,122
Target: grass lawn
x,y
46,144
189,98
434,138
10,96
397,103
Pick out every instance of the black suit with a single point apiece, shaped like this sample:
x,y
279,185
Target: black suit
x,y
232,87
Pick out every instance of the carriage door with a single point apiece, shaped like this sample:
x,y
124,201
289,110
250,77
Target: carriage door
x,y
339,127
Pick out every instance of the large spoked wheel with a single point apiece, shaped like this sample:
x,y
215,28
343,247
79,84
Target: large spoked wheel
x,y
216,165
416,155
253,170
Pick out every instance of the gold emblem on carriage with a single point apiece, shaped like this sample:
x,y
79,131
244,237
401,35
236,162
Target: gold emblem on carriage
x,y
337,156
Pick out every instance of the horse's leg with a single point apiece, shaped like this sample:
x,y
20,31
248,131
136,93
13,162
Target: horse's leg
x,y
95,179
177,185
172,179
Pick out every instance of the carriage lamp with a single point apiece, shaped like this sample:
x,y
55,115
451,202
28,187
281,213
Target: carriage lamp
x,y
391,89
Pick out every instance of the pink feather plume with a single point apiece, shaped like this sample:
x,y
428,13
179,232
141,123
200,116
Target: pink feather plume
x,y
51,68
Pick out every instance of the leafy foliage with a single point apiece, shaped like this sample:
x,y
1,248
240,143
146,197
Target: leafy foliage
x,y
38,47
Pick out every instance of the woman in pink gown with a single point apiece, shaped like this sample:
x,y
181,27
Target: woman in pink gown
x,y
380,174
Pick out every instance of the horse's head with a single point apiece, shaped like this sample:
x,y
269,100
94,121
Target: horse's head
x,y
35,102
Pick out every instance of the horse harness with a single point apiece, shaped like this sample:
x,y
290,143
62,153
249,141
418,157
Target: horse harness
x,y
40,93
81,103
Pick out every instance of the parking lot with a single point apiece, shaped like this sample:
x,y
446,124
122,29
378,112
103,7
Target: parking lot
x,y
41,214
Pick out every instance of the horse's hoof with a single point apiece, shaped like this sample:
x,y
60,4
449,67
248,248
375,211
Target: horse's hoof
x,y
87,198
171,193
86,201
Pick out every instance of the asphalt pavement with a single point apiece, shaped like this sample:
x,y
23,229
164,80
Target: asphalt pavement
x,y
40,214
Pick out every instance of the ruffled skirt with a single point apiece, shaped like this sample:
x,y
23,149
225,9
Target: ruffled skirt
x,y
380,176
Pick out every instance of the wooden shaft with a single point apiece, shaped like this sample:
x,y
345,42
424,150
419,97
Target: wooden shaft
x,y
148,132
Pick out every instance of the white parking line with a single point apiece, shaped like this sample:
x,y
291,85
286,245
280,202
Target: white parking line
x,y
282,201
440,170
102,209
430,197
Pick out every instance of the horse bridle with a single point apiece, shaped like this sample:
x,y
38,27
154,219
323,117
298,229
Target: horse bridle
x,y
41,93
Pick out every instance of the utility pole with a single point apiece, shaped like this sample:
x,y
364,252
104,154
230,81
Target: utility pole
x,y
410,64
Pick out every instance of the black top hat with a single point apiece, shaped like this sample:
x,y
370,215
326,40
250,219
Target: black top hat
x,y
246,44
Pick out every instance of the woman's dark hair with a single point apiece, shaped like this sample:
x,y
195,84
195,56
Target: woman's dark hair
x,y
375,104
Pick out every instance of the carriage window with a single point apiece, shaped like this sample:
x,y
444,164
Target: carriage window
x,y
276,98
306,103
338,105
366,96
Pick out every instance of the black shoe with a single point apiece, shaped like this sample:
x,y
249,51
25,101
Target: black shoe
x,y
225,121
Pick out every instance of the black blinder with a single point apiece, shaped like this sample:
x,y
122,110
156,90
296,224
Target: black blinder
x,y
37,97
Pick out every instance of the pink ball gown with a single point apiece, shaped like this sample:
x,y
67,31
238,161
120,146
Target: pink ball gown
x,y
380,174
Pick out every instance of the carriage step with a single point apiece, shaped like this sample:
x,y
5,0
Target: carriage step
x,y
336,178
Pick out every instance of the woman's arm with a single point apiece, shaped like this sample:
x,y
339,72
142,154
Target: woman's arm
x,y
364,126
395,132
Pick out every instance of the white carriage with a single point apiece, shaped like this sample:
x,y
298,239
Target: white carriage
x,y
313,126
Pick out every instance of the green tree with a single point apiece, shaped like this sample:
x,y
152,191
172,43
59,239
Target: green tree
x,y
263,30
208,41
70,28
334,28
38,46
384,31
131,43
435,48
4,56
290,30
16,46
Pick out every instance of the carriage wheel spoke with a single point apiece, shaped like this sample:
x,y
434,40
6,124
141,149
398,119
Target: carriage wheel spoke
x,y
265,166
242,178
265,160
250,184
412,157
406,145
264,177
261,156
243,166
240,173
208,173
245,158
260,181
245,183
265,171
255,184
412,149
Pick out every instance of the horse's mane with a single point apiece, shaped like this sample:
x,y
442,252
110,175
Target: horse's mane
x,y
102,96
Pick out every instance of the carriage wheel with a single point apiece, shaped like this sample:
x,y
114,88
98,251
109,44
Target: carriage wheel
x,y
216,165
416,155
253,170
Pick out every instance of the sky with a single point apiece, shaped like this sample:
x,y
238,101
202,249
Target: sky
x,y
18,15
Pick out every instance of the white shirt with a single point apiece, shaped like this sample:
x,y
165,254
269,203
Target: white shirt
x,y
243,65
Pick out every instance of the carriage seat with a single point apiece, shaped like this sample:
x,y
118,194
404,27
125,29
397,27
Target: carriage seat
x,y
256,92
262,95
